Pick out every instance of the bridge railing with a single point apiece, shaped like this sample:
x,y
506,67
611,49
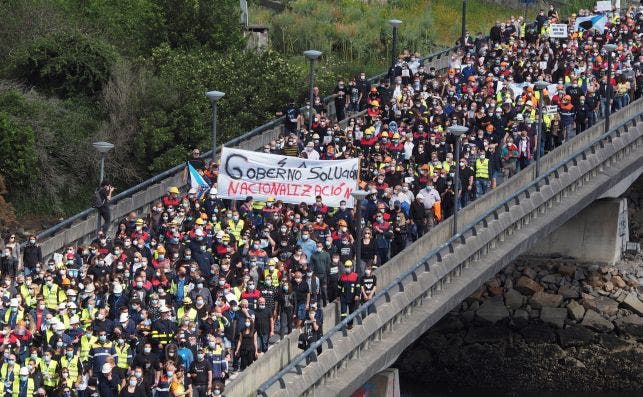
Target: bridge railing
x,y
398,272
81,228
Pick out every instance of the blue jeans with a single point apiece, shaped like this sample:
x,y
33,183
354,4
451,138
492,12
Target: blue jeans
x,y
262,341
482,186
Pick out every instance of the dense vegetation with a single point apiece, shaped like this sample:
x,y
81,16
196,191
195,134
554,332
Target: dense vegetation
x,y
134,72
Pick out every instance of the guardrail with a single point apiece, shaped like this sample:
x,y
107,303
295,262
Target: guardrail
x,y
81,228
573,153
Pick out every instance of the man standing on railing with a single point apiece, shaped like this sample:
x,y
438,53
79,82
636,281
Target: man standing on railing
x,y
101,200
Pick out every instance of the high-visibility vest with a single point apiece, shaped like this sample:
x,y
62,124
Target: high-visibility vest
x,y
64,319
87,316
50,369
71,365
274,276
20,314
482,169
124,355
86,345
26,296
37,360
16,387
51,296
191,313
236,228
4,369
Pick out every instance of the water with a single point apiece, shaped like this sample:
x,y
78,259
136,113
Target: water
x,y
411,388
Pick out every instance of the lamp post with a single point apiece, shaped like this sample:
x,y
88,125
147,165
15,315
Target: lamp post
x,y
540,86
464,26
359,196
395,23
102,148
609,48
457,131
311,55
214,97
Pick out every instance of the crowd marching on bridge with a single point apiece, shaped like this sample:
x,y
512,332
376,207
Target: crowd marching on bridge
x,y
177,300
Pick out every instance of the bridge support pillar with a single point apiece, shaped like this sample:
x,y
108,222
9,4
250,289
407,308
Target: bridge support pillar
x,y
386,383
596,234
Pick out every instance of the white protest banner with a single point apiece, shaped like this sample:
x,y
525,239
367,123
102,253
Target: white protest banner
x,y
604,5
293,180
558,30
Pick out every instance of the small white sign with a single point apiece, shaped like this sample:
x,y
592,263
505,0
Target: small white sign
x,y
604,5
559,30
551,109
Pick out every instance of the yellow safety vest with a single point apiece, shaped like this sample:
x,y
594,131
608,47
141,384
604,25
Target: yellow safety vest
x,y
482,169
274,276
72,366
52,296
4,368
87,316
16,387
50,369
192,313
7,315
86,345
123,355
64,319
236,229
37,360
26,296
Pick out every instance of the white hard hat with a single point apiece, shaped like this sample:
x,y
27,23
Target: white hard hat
x,y
118,288
74,320
164,309
59,327
24,371
123,317
14,302
107,367
193,191
213,191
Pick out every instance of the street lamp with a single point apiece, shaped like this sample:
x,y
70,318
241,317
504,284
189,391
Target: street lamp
x,y
359,196
464,26
609,48
457,131
214,97
102,148
540,86
311,55
395,23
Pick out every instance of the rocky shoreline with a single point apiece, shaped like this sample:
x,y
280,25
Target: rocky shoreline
x,y
540,325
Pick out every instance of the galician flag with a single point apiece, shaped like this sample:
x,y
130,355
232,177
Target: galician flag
x,y
197,182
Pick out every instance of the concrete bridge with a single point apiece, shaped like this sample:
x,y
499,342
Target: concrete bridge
x,y
437,272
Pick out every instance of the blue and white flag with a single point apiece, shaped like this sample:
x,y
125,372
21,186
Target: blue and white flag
x,y
595,22
197,182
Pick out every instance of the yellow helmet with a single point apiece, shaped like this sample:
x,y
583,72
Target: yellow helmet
x,y
384,134
174,190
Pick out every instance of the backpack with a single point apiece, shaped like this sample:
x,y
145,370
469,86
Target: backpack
x,y
97,199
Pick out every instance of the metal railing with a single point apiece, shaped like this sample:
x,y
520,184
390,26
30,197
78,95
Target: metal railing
x,y
436,255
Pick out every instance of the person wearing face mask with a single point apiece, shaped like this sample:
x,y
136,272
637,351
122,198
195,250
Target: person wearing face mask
x,y
482,174
49,369
349,291
307,245
149,362
31,255
163,329
200,374
132,388
117,299
246,349
71,363
320,267
23,385
52,293
99,354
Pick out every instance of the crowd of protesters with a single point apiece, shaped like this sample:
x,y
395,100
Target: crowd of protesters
x,y
173,302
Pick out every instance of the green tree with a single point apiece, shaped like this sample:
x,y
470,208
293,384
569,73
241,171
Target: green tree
x,y
17,154
212,24
65,64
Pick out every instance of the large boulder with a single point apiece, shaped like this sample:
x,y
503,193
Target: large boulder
x,y
575,335
527,286
492,311
596,322
553,315
514,299
631,325
543,299
633,303
575,310
601,304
